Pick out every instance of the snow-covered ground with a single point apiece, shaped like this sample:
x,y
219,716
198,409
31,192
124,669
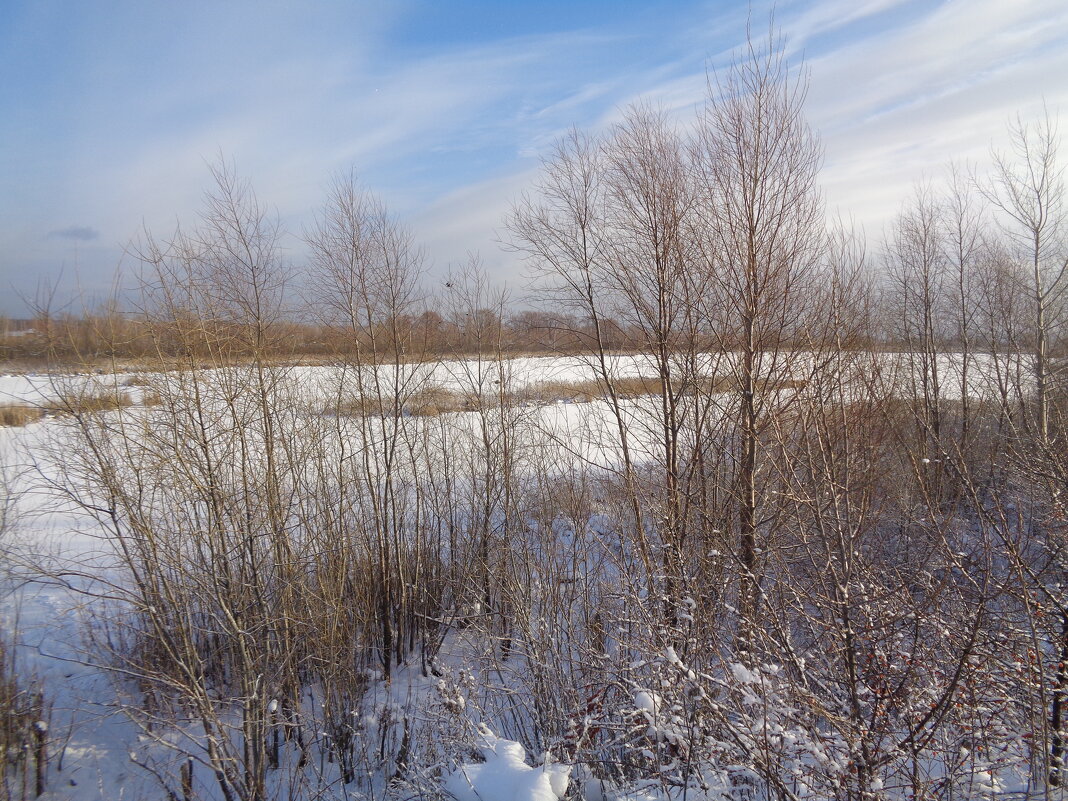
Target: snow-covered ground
x,y
467,375
92,740
98,753
457,375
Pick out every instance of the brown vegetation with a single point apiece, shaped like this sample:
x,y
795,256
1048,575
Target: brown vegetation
x,y
88,402
23,732
14,415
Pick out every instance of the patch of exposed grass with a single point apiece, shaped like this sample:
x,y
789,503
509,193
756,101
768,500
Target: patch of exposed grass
x,y
73,403
434,400
15,415
549,391
352,407
78,403
637,386
584,391
427,402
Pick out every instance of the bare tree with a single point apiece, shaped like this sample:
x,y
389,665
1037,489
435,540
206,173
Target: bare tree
x,y
1028,191
367,269
757,163
564,231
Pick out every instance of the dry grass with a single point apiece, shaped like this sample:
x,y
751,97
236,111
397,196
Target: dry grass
x,y
630,387
14,415
435,400
73,404
78,403
21,706
635,386
549,391
428,402
586,390
147,396
357,407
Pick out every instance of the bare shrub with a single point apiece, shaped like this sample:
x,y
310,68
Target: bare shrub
x,y
25,708
23,731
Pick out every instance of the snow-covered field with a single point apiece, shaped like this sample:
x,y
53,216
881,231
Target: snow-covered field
x,y
48,617
471,375
98,754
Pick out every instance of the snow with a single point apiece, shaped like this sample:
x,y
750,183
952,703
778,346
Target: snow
x,y
473,375
744,675
100,742
506,776
647,701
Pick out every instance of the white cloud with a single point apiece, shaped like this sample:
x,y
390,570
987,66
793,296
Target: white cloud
x,y
450,136
471,220
901,104
894,107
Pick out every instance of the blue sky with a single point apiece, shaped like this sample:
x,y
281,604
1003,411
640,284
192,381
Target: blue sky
x,y
110,111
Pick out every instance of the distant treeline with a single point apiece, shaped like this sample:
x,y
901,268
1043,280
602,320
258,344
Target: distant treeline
x,y
76,339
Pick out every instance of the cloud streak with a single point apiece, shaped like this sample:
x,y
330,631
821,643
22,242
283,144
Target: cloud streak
x,y
450,130
77,233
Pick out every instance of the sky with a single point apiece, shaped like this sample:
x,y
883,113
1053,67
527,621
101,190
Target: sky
x,y
111,111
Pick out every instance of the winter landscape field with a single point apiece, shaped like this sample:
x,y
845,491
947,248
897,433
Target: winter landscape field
x,y
202,561
693,489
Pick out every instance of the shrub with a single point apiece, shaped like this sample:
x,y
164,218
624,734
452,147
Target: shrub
x,y
23,733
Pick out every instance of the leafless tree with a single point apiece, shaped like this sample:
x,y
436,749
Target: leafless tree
x,y
757,162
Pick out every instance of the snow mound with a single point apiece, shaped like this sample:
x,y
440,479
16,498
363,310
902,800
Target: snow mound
x,y
744,675
506,776
647,701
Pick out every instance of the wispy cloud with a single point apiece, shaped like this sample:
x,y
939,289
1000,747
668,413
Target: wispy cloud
x,y
79,233
449,130
897,105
